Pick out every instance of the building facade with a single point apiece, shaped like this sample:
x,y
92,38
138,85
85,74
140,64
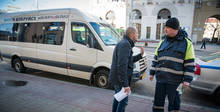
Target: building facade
x,y
204,9
149,16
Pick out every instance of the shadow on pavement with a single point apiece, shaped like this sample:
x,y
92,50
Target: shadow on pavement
x,y
13,83
56,76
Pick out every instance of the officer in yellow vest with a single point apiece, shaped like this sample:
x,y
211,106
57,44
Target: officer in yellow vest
x,y
173,65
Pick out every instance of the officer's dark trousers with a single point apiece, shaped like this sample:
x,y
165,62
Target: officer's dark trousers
x,y
162,90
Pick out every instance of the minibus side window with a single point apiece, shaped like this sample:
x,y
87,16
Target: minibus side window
x,y
51,33
27,32
81,34
8,32
96,44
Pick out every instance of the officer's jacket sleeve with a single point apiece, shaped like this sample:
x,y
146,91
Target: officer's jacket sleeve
x,y
136,58
155,61
189,62
122,65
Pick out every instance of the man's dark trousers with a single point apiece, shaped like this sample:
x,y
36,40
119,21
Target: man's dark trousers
x,y
119,106
163,90
203,45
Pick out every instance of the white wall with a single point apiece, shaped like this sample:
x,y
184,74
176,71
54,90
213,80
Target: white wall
x,y
185,16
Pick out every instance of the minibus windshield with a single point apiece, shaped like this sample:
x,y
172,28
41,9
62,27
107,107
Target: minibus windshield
x,y
106,33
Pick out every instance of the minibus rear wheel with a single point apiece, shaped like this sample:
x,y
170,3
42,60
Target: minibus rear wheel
x,y
101,79
18,65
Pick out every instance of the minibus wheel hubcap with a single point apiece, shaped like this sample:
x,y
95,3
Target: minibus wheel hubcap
x,y
102,80
17,66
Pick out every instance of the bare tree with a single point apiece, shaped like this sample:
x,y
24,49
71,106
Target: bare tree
x,y
216,28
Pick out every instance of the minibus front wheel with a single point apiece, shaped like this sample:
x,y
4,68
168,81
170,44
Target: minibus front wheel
x,y
101,78
18,65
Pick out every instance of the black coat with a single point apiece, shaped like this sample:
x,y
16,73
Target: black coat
x,y
122,63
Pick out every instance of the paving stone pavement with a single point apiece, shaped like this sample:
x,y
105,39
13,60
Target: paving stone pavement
x,y
50,95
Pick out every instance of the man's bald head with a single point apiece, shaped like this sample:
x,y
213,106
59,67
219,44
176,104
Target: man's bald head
x,y
130,30
132,33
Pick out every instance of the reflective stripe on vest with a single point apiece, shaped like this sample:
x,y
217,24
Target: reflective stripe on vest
x,y
158,107
172,71
189,64
171,59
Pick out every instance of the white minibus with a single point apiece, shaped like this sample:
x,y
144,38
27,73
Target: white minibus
x,y
63,41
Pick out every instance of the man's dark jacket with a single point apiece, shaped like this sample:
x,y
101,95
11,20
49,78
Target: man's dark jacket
x,y
122,63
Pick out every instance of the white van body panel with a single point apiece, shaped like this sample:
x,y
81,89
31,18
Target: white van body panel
x,y
23,50
52,53
102,64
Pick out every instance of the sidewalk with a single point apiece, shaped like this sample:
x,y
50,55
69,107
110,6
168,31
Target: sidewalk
x,y
50,95
210,47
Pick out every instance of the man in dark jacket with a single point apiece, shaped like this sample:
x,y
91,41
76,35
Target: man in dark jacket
x,y
122,66
173,65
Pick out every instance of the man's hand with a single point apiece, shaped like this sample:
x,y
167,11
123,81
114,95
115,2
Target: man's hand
x,y
142,51
185,85
127,90
151,77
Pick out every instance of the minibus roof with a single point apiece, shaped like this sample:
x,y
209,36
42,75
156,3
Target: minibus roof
x,y
65,13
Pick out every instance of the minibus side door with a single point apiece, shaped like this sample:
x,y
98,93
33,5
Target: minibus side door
x,y
81,55
51,50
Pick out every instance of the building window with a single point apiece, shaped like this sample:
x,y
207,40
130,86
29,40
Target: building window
x,y
136,14
148,32
138,26
181,1
110,15
164,14
118,0
150,2
163,30
158,31
218,4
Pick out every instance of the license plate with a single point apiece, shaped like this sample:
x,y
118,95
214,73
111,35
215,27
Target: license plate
x,y
143,76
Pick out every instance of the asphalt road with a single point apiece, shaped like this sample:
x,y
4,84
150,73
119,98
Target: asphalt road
x,y
143,87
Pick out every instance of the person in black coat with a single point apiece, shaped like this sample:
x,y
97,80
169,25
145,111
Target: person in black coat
x,y
122,66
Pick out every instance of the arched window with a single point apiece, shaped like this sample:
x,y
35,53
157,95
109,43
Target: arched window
x,y
110,15
164,14
136,14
